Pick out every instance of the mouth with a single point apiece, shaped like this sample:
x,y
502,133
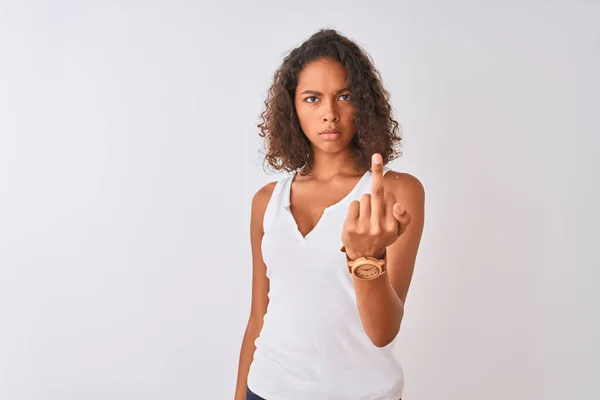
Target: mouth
x,y
331,134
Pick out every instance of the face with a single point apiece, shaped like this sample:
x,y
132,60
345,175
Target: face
x,y
323,104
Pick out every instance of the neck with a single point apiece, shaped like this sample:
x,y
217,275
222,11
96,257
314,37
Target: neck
x,y
327,165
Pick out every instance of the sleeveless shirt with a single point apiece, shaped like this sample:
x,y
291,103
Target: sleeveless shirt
x,y
312,344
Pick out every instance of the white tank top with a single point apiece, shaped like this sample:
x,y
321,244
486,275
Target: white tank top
x,y
312,344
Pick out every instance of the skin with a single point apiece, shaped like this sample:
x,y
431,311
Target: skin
x,y
322,101
388,219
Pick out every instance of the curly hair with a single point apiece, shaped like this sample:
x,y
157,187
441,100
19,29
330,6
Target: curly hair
x,y
287,148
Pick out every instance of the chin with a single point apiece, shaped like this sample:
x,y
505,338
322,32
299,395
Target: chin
x,y
332,146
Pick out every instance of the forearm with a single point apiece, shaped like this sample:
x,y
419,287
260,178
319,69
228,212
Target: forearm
x,y
380,309
246,354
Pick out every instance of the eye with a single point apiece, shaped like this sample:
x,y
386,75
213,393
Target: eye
x,y
308,98
347,97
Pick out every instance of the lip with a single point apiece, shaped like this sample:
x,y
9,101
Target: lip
x,y
331,135
328,131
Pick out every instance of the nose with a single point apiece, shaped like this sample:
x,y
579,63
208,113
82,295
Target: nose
x,y
330,113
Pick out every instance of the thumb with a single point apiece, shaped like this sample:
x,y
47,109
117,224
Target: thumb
x,y
402,216
399,212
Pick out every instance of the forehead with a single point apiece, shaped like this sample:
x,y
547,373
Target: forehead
x,y
324,74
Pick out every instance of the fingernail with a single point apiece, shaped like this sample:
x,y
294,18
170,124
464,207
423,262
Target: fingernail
x,y
400,209
376,159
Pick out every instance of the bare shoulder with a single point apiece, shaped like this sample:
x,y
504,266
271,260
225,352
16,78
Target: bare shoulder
x,y
409,191
263,195
404,184
261,200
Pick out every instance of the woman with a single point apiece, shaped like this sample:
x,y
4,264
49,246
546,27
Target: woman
x,y
323,321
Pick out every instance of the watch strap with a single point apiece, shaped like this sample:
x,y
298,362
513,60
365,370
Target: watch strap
x,y
382,262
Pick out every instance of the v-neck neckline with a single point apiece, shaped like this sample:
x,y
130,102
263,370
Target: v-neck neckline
x,y
325,211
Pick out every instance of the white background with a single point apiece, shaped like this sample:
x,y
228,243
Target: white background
x,y
129,158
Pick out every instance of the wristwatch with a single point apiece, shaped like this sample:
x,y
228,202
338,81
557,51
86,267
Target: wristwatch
x,y
366,268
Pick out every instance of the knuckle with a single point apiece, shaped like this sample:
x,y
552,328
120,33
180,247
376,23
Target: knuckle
x,y
376,228
391,229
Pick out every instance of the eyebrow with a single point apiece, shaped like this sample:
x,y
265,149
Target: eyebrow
x,y
320,94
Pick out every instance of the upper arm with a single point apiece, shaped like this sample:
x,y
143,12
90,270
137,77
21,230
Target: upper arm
x,y
260,282
402,254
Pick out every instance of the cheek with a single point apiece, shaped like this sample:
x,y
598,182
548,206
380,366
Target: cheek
x,y
348,114
305,116
347,107
301,112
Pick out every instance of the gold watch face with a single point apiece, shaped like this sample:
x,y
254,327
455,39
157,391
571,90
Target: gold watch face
x,y
366,271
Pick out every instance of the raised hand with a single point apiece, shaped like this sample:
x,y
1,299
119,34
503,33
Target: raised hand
x,y
376,221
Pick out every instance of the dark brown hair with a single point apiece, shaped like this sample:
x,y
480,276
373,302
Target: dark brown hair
x,y
287,148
